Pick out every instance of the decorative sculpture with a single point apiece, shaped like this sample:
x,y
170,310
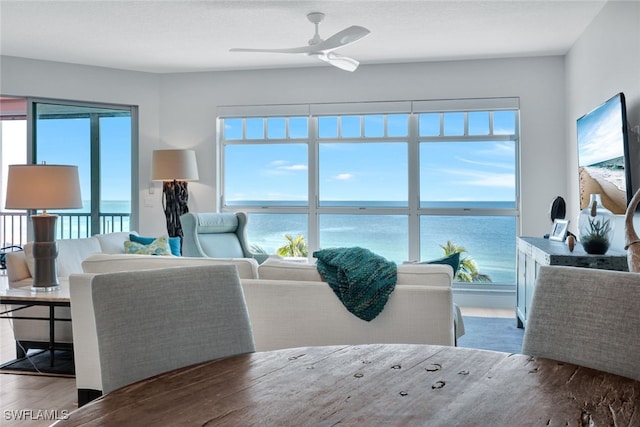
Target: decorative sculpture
x,y
174,203
632,241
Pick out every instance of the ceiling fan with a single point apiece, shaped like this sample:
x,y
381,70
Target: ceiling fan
x,y
324,49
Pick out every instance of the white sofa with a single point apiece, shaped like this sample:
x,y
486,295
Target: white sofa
x,y
289,306
71,254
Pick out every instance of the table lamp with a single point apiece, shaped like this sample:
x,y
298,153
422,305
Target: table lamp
x,y
174,168
42,187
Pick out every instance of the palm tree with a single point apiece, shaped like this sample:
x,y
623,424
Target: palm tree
x,y
293,247
468,270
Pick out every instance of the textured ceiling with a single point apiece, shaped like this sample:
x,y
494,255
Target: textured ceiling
x,y
185,36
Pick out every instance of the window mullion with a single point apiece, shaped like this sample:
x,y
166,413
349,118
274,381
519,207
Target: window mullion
x,y
413,151
313,233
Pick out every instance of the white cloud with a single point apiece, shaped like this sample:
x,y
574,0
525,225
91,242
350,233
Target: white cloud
x,y
278,163
283,167
293,168
495,165
344,176
481,179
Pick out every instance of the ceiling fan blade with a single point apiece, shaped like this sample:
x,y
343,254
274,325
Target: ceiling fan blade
x,y
342,38
304,49
342,62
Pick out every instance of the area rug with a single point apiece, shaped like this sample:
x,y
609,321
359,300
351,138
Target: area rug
x,y
492,333
39,363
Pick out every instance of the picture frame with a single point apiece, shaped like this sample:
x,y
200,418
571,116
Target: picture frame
x,y
559,230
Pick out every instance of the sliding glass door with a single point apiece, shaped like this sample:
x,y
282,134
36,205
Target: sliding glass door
x,y
100,140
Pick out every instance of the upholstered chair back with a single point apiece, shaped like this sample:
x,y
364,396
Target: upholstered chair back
x,y
588,317
215,235
152,321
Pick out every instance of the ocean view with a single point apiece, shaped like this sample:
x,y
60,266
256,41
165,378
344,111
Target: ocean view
x,y
489,240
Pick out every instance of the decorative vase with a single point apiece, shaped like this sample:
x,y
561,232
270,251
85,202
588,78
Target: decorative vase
x,y
595,226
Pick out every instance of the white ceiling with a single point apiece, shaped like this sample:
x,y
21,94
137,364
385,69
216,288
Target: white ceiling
x,y
184,36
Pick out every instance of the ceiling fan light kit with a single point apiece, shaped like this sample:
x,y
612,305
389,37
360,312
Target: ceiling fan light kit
x,y
323,49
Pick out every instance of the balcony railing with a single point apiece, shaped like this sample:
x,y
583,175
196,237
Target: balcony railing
x,y
13,226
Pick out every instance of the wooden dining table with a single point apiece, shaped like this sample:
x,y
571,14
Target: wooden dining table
x,y
372,385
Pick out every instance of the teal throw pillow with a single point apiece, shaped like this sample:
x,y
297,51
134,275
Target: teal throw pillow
x,y
159,246
174,242
453,260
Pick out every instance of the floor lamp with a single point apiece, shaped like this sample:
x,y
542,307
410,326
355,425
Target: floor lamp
x,y
174,168
42,187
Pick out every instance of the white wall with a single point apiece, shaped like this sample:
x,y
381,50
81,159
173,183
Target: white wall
x,y
189,101
604,61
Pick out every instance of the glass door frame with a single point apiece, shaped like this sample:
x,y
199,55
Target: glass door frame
x,y
95,181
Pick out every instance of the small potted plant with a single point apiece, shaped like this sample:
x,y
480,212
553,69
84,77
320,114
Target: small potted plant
x,y
596,238
596,228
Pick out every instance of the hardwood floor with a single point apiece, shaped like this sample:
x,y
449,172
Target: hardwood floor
x,y
38,399
30,400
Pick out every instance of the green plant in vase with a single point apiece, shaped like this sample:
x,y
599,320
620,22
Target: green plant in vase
x,y
595,237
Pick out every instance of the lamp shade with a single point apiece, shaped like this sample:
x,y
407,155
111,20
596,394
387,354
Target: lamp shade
x,y
169,165
43,187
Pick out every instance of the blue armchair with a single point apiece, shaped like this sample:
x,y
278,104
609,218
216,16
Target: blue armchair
x,y
216,235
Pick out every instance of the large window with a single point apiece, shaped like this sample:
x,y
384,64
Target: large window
x,y
407,180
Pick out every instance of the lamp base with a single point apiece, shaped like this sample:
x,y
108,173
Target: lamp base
x,y
45,288
45,254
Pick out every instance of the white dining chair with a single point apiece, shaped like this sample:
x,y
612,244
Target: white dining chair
x,y
142,323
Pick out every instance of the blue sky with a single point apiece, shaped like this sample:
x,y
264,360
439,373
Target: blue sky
x,y
373,171
600,134
352,171
65,141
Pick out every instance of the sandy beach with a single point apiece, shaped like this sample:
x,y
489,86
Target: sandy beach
x,y
610,185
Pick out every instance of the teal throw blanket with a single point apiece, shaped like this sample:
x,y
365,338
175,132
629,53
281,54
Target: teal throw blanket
x,y
361,279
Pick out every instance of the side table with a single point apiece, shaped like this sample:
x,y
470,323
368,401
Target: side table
x,y
25,298
535,251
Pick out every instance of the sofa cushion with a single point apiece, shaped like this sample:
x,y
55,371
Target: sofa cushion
x,y
174,242
159,246
279,269
275,268
453,260
113,243
425,274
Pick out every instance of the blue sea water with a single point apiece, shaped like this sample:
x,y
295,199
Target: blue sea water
x,y
72,225
490,241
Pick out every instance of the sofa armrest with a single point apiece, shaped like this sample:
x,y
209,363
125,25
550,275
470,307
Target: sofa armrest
x,y
17,269
85,338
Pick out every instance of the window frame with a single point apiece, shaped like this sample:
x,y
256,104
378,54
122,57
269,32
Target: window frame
x,y
414,211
